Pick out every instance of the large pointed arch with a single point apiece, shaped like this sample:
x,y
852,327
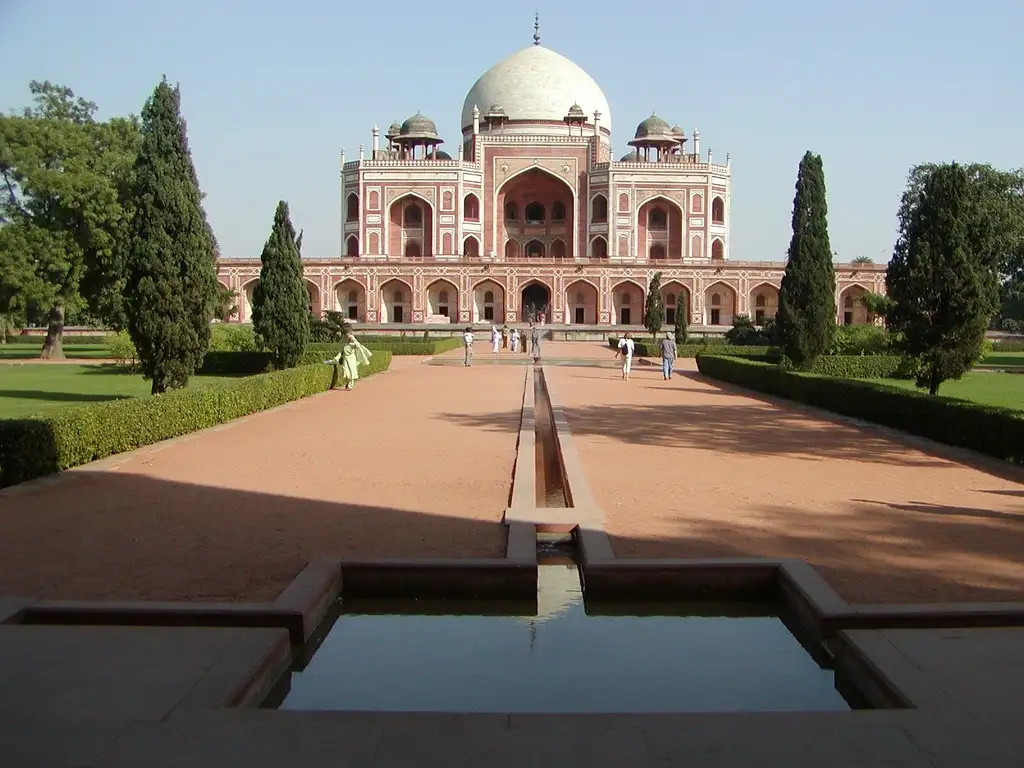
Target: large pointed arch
x,y
724,312
442,299
398,233
536,185
851,311
760,311
582,302
388,303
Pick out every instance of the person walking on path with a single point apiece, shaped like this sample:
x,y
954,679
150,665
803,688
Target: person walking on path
x,y
495,339
467,342
626,347
534,341
504,336
352,355
668,356
514,341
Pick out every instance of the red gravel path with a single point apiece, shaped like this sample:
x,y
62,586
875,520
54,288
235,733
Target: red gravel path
x,y
235,513
688,469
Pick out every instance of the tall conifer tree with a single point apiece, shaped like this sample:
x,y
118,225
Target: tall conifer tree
x,y
807,305
280,313
654,312
171,292
944,290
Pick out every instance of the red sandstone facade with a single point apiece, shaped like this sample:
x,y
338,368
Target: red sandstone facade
x,y
534,219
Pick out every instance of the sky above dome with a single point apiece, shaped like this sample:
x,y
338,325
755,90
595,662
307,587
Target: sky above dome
x,y
273,94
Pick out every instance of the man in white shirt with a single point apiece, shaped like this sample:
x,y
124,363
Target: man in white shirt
x,y
626,347
467,342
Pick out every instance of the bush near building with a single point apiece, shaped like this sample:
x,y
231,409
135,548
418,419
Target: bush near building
x,y
51,442
993,431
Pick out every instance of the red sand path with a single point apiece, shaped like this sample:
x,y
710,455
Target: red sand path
x,y
689,469
236,512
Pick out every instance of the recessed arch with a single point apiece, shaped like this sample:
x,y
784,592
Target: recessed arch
x,y
717,249
724,311
395,301
511,249
659,223
534,249
581,302
488,301
471,207
676,297
442,301
717,210
558,248
352,207
524,193
599,248
628,302
246,293
599,209
404,228
763,302
352,246
851,310
315,298
535,301
350,298
471,247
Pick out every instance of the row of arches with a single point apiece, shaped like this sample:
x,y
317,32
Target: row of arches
x,y
580,302
555,248
536,211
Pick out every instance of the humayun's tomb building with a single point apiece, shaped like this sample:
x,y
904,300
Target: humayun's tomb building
x,y
533,217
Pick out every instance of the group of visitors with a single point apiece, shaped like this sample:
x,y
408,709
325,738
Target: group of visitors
x,y
668,355
503,338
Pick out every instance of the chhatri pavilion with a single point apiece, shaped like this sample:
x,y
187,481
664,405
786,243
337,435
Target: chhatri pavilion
x,y
534,218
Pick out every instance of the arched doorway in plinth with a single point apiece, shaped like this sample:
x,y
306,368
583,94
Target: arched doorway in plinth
x,y
488,302
536,302
442,302
396,302
581,303
676,298
628,303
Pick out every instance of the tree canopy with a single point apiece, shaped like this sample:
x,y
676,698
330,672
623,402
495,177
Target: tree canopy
x,y
171,277
654,311
64,177
807,307
943,279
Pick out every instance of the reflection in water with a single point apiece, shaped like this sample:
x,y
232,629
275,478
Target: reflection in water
x,y
561,661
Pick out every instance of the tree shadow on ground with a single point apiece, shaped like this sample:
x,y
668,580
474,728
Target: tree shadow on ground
x,y
869,552
59,397
112,535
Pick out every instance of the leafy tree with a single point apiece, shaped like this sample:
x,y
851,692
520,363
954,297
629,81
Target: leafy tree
x,y
863,260
654,312
63,176
171,274
807,307
877,304
944,290
280,311
681,328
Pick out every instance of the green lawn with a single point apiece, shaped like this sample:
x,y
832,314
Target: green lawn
x,y
29,350
1011,360
994,388
28,388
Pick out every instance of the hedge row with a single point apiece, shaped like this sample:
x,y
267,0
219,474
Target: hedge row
x,y
51,442
651,349
986,429
864,367
1008,346
253,362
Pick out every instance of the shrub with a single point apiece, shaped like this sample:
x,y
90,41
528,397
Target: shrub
x,y
51,442
745,334
993,431
121,349
862,340
647,349
864,366
1008,346
232,338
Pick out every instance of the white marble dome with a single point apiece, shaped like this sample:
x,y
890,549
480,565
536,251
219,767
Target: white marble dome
x,y
537,84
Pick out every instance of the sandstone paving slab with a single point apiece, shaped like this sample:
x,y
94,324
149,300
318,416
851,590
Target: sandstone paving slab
x,y
390,469
67,692
688,468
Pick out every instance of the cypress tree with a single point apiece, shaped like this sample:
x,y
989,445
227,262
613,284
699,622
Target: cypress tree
x,y
654,312
682,328
171,291
280,311
807,306
944,291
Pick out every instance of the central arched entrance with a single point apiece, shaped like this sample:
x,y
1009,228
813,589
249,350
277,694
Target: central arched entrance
x,y
536,304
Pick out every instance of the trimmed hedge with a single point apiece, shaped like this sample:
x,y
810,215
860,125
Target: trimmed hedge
x,y
650,349
230,363
997,432
863,367
1008,346
51,442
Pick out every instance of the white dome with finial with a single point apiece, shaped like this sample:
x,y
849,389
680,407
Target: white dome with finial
x,y
537,84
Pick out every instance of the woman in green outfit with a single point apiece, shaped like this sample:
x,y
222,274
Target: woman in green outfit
x,y
352,355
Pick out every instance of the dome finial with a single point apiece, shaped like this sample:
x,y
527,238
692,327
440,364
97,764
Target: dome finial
x,y
536,28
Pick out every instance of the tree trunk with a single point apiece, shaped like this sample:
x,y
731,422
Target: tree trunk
x,y
157,388
53,347
933,383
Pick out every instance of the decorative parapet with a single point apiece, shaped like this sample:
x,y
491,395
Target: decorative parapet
x,y
358,164
666,166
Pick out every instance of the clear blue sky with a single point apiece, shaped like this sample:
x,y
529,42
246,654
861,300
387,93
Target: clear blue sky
x,y
273,91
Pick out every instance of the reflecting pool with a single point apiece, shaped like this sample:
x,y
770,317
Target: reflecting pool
x,y
730,658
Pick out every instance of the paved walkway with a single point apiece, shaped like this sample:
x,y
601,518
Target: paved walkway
x,y
234,513
690,469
